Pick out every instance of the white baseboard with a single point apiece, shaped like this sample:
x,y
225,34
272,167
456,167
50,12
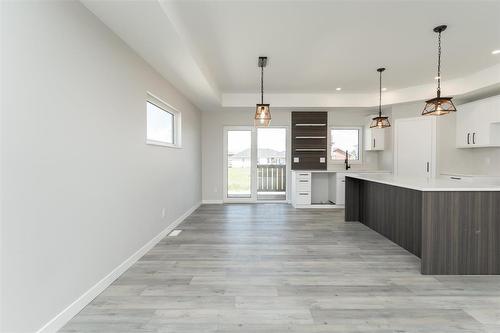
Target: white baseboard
x,y
69,312
212,202
219,202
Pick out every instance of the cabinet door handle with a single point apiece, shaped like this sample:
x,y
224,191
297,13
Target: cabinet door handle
x,y
468,138
427,166
304,181
373,142
474,138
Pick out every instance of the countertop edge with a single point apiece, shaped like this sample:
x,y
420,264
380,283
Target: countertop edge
x,y
424,188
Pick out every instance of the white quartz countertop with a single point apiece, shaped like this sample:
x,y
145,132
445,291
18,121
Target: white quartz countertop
x,y
432,184
343,171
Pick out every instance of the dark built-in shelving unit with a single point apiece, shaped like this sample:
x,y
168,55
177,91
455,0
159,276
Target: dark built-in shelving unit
x,y
309,140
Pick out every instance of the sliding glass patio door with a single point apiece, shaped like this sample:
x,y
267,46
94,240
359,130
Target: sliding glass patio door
x,y
239,164
271,163
255,164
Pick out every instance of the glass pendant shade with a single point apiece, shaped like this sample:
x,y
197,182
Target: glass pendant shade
x,y
380,122
438,106
262,115
262,112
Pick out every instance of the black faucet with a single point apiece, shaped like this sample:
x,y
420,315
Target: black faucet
x,y
346,162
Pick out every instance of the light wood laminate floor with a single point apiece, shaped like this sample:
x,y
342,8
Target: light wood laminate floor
x,y
271,268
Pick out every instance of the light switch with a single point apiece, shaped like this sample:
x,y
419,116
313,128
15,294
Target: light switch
x,y
322,160
295,160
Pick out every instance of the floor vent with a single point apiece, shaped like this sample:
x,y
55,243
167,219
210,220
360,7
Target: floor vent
x,y
175,233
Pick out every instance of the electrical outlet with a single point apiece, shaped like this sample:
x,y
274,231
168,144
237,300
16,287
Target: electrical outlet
x,y
163,213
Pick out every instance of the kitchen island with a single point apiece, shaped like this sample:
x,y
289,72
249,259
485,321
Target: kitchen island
x,y
453,226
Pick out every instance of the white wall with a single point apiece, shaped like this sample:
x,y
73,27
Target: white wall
x,y
81,191
212,139
475,161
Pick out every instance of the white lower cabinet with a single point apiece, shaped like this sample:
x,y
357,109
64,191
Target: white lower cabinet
x,y
340,188
307,192
301,188
303,198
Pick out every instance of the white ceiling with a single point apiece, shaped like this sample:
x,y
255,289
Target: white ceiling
x,y
313,46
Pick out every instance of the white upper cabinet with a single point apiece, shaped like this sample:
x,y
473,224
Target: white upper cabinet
x,y
478,124
374,137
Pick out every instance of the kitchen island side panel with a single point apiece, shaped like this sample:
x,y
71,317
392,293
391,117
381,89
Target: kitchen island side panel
x,y
461,233
352,207
394,212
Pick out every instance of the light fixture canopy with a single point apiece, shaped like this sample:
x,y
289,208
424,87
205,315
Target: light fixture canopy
x,y
262,111
380,121
438,105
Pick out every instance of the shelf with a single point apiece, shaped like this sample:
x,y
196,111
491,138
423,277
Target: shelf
x,y
310,137
310,149
311,125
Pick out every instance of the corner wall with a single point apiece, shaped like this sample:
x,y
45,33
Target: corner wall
x,y
81,191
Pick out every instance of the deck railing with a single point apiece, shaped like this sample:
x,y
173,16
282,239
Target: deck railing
x,y
271,178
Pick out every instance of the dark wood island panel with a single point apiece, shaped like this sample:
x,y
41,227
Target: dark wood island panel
x,y
393,212
461,233
453,232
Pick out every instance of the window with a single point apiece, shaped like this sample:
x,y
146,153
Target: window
x,y
163,123
345,139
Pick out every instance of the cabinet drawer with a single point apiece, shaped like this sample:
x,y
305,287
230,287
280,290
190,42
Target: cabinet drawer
x,y
303,176
303,185
303,198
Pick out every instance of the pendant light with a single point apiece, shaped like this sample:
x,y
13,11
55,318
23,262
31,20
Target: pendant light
x,y
262,112
439,106
380,121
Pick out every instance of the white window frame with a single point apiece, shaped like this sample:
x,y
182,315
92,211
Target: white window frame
x,y
177,122
360,144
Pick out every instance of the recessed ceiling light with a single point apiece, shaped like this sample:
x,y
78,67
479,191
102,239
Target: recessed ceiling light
x,y
338,89
495,52
384,89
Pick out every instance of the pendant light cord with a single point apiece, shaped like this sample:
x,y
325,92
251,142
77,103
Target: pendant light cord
x,y
380,95
261,84
439,65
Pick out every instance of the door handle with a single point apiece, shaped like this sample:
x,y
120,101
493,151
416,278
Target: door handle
x,y
474,138
468,138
